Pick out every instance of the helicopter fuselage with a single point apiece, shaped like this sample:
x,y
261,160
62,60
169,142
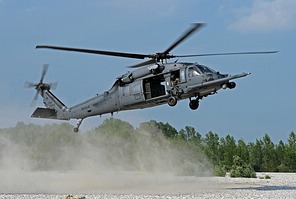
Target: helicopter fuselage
x,y
146,87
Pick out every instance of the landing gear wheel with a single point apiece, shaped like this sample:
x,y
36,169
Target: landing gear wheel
x,y
194,104
75,130
172,101
231,85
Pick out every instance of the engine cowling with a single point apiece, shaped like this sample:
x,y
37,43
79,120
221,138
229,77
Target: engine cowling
x,y
141,72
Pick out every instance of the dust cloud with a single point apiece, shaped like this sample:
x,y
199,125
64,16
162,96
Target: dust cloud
x,y
64,162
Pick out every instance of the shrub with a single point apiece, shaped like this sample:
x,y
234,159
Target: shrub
x,y
241,169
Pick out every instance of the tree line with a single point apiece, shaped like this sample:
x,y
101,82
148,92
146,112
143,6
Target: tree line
x,y
262,155
153,146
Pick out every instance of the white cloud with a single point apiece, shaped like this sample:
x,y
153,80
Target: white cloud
x,y
266,15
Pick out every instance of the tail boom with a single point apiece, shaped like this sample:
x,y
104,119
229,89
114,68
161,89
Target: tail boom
x,y
55,109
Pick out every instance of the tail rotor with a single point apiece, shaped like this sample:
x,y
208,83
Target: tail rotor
x,y
41,86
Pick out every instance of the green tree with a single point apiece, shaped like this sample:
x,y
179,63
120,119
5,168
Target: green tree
x,y
117,127
150,127
155,128
242,150
189,133
268,153
291,152
211,147
256,154
168,130
281,159
228,147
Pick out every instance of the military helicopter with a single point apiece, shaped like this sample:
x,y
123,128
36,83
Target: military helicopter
x,y
154,82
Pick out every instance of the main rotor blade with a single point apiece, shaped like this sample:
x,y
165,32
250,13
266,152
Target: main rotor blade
x,y
189,32
100,52
231,53
151,61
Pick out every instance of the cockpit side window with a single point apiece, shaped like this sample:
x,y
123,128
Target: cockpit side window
x,y
192,72
204,69
182,75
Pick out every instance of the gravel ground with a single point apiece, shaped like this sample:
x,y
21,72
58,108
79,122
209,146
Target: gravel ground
x,y
143,185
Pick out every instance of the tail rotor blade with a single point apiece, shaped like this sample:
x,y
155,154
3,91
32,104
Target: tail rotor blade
x,y
29,85
44,71
53,85
35,99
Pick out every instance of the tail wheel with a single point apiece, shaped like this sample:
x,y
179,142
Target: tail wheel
x,y
172,101
76,129
194,104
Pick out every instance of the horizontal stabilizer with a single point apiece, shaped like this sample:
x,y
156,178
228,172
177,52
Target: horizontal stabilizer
x,y
45,113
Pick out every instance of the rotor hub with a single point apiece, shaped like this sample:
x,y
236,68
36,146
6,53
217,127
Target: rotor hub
x,y
42,87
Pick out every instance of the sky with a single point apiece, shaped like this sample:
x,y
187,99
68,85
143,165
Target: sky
x,y
261,103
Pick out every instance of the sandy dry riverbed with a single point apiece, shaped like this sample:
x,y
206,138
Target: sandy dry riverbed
x,y
142,185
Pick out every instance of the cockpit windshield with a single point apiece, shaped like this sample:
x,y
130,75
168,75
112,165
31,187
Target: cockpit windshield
x,y
205,69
